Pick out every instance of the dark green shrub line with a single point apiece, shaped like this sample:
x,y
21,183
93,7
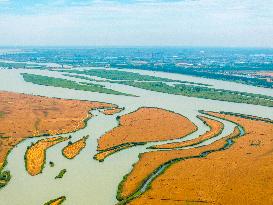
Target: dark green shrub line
x,y
249,117
123,145
61,174
119,148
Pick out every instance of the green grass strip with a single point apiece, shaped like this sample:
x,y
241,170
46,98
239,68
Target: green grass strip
x,y
64,83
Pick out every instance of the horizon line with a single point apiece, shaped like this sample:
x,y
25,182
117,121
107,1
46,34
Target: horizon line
x,y
132,46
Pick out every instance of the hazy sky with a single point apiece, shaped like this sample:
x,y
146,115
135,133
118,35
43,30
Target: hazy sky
x,y
141,22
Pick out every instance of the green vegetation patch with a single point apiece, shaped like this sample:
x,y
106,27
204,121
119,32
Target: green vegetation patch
x,y
116,75
61,174
51,164
63,83
2,114
190,89
249,117
205,92
5,177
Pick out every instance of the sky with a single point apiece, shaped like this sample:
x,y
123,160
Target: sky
x,y
226,23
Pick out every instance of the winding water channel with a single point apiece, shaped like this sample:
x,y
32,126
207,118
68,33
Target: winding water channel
x,y
88,180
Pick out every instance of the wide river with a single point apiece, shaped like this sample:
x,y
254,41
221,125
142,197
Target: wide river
x,y
88,181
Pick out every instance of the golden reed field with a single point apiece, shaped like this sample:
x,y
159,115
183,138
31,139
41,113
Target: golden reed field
x,y
27,116
236,169
241,174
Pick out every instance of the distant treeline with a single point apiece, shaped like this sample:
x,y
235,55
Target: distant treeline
x,y
203,73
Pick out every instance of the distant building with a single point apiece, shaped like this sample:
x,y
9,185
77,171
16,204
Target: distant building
x,y
185,65
138,63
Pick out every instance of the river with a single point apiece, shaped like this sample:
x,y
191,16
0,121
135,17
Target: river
x,y
88,181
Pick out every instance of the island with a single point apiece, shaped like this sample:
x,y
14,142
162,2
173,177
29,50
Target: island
x,y
24,116
73,149
57,201
35,157
147,124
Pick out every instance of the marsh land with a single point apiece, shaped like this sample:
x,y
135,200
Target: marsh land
x,y
132,137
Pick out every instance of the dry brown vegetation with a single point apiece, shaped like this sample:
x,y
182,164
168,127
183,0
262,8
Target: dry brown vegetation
x,y
216,128
241,174
150,161
24,116
36,154
146,125
111,111
72,150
